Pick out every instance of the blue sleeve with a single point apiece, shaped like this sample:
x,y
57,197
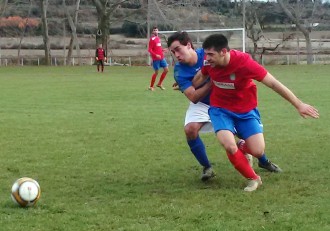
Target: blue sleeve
x,y
180,79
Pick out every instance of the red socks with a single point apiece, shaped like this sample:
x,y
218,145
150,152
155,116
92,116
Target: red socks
x,y
244,148
162,77
153,79
241,164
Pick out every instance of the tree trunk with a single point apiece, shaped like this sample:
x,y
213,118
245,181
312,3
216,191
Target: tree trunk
x,y
43,6
70,49
73,25
74,37
23,34
309,48
302,28
104,10
103,22
103,30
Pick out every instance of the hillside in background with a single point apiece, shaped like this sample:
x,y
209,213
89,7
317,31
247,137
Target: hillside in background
x,y
130,17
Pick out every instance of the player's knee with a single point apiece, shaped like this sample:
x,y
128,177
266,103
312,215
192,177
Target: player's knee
x,y
257,151
191,132
256,148
230,148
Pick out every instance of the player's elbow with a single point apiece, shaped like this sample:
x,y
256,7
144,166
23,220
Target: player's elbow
x,y
195,101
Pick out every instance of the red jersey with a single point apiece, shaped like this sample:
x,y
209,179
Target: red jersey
x,y
233,87
155,48
100,53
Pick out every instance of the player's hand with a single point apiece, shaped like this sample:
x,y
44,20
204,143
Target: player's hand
x,y
175,86
158,56
105,58
199,79
306,110
96,58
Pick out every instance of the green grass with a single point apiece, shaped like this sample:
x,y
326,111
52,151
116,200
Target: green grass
x,y
110,155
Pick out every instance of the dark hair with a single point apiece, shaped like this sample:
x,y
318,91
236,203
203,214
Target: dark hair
x,y
180,36
155,27
216,41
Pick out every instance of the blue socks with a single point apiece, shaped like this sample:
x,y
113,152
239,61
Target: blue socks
x,y
263,159
198,149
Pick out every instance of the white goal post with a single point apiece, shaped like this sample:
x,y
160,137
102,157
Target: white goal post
x,y
240,30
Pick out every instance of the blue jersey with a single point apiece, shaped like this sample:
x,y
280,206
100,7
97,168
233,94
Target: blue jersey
x,y
184,74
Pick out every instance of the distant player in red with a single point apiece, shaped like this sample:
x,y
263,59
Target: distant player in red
x,y
234,102
158,61
100,57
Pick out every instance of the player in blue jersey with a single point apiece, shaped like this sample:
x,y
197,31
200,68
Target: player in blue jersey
x,y
197,118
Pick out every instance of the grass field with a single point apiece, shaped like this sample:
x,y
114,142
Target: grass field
x,y
110,155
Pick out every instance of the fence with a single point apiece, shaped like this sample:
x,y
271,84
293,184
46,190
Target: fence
x,y
74,61
293,59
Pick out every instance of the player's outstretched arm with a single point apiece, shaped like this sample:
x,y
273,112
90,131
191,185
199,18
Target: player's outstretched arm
x,y
305,110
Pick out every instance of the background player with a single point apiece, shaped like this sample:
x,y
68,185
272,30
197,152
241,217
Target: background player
x,y
158,61
100,57
234,102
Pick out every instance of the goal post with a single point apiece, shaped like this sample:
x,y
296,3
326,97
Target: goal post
x,y
236,38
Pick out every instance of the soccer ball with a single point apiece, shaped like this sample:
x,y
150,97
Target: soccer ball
x,y
25,192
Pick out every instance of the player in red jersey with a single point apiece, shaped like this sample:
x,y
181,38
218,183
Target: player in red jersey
x,y
100,58
158,61
234,102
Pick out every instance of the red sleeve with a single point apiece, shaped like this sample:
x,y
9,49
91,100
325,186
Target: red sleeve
x,y
204,70
258,72
151,47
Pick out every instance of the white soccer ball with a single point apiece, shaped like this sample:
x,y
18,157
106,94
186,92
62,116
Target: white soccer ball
x,y
25,192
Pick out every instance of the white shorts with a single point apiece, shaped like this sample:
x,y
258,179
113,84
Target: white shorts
x,y
199,113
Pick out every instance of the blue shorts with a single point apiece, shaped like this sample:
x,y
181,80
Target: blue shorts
x,y
156,64
243,125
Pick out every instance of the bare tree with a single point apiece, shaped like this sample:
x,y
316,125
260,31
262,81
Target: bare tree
x,y
43,6
286,37
23,33
302,14
73,26
252,26
255,13
104,9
